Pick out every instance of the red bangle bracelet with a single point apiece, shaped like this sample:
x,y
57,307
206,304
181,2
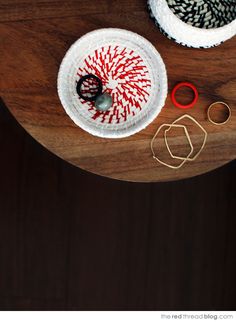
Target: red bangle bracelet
x,y
184,84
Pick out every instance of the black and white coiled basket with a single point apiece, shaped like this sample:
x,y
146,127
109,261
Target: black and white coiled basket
x,y
195,23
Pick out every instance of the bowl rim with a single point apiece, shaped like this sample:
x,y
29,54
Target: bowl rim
x,y
185,33
149,117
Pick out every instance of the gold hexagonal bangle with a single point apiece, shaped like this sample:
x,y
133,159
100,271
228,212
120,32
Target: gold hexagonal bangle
x,y
203,144
189,140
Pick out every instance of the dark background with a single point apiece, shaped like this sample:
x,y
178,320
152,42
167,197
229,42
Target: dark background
x,y
73,240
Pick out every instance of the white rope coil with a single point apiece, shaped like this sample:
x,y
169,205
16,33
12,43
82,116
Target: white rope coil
x,y
195,23
132,72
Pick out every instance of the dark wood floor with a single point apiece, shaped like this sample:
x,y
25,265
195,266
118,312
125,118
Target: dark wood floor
x,y
72,240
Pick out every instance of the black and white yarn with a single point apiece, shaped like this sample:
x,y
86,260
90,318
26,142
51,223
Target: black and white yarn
x,y
195,23
204,13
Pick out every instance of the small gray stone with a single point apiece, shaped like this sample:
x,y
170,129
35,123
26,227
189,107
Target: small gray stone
x,y
103,102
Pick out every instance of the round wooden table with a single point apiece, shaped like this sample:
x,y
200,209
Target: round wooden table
x,y
34,38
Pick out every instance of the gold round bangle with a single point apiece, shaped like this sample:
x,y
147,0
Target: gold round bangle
x,y
209,110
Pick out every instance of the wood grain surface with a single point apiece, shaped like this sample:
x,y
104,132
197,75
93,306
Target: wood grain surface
x,y
35,37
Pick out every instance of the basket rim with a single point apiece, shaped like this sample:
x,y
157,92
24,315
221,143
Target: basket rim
x,y
208,37
105,133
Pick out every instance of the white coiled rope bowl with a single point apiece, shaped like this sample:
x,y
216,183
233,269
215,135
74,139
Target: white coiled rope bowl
x,y
132,72
195,23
